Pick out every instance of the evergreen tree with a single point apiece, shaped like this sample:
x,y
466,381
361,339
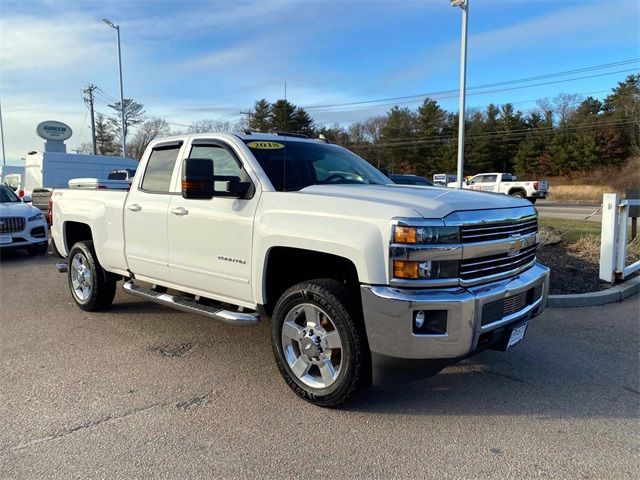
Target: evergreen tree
x,y
397,136
260,118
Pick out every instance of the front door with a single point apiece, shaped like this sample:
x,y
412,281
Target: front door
x,y
145,216
210,241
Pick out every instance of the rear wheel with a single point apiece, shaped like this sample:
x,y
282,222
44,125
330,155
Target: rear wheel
x,y
92,288
319,342
518,194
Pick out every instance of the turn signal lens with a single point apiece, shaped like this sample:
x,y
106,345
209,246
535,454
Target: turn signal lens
x,y
404,235
404,269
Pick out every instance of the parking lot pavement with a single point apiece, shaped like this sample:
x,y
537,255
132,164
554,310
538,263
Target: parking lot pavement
x,y
147,392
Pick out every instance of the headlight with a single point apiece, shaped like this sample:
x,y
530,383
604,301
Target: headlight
x,y
425,235
425,269
37,216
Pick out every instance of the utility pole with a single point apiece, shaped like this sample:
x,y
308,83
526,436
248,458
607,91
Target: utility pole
x,y
464,6
89,92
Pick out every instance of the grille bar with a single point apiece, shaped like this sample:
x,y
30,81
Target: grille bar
x,y
503,265
498,230
494,258
11,224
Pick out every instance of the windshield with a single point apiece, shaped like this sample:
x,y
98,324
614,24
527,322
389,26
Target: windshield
x,y
309,163
7,195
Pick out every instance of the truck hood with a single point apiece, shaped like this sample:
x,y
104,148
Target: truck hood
x,y
428,202
15,209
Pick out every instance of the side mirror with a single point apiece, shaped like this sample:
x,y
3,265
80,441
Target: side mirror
x,y
197,178
27,199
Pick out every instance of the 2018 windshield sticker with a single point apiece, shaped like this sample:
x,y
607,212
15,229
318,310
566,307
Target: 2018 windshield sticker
x,y
265,145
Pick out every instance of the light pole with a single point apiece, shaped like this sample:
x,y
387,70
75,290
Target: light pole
x,y
464,6
124,127
4,158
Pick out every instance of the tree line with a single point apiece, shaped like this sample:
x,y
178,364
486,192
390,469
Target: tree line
x,y
561,136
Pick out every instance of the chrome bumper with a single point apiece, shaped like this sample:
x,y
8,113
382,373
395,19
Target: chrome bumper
x,y
389,315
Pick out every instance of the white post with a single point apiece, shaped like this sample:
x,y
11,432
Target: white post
x,y
608,243
621,255
463,91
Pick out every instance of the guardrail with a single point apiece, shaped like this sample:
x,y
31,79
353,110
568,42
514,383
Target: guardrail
x,y
613,239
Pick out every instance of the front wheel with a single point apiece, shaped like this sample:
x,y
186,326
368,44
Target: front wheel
x,y
319,342
91,286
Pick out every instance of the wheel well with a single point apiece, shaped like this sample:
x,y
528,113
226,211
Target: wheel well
x,y
520,190
288,266
75,232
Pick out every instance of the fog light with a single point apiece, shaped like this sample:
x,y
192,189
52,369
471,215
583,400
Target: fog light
x,y
430,322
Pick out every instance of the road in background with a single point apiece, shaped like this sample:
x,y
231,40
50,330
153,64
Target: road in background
x,y
568,211
142,391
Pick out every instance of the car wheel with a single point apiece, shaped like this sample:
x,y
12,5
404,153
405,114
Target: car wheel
x,y
92,288
518,194
319,342
39,249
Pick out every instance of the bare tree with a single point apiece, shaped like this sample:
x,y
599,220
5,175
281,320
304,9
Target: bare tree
x,y
134,114
148,131
208,125
565,105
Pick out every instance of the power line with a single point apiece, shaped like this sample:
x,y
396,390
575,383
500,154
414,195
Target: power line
x,y
454,94
489,85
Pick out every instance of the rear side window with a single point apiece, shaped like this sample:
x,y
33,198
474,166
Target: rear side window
x,y
157,176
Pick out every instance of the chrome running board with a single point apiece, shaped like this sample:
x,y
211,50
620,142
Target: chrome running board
x,y
186,305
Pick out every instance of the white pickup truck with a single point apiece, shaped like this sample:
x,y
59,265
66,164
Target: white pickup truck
x,y
506,183
363,280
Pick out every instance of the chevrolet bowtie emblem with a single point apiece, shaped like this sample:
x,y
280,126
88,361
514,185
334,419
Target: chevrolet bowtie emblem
x,y
516,243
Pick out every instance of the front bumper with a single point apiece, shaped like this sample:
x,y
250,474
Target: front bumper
x,y
389,316
34,233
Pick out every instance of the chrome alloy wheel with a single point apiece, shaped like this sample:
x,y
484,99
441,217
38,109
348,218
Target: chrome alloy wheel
x,y
81,277
312,346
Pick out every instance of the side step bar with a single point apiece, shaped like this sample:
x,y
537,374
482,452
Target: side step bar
x,y
186,305
62,267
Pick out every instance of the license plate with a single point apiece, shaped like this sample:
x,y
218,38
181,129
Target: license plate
x,y
4,239
517,334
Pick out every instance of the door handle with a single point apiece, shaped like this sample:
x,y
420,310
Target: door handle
x,y
134,207
180,211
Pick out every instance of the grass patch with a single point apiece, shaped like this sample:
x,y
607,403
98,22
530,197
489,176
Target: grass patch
x,y
572,230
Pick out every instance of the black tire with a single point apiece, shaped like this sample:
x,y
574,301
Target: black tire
x,y
518,194
532,200
102,284
40,249
342,306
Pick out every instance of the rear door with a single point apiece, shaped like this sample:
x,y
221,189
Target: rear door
x,y
145,215
210,241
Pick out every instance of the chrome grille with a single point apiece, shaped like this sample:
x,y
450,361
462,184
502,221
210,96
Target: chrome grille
x,y
498,230
474,268
11,224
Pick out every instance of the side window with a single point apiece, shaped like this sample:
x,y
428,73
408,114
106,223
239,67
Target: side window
x,y
224,163
477,179
490,178
157,175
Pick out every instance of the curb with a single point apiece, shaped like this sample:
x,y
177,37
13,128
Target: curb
x,y
610,295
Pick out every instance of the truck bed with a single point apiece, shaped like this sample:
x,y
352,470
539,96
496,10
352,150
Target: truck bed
x,y
102,210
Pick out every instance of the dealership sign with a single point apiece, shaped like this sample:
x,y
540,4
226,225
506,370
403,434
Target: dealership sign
x,y
52,130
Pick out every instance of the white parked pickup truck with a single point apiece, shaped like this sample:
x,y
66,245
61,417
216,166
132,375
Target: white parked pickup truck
x,y
506,183
363,280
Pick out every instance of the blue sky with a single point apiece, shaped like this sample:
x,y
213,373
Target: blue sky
x,y
191,60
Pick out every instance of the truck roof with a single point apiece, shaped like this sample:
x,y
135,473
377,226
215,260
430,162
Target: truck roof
x,y
247,135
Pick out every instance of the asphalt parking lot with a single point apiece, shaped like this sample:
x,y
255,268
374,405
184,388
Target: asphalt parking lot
x,y
147,392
